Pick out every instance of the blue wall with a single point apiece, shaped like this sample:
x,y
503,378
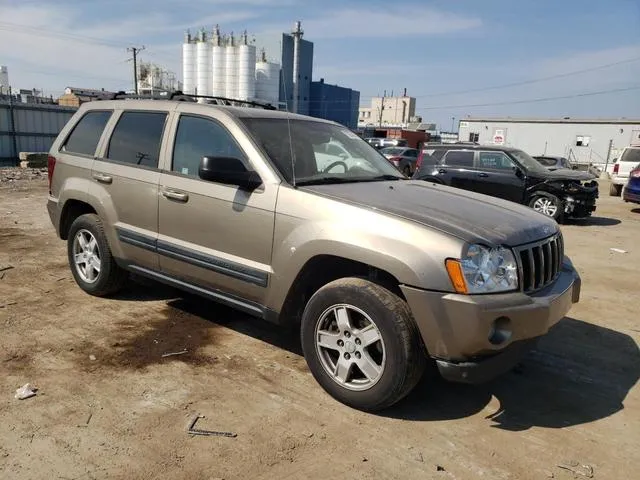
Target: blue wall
x,y
332,102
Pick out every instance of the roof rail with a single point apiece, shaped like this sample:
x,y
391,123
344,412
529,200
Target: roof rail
x,y
184,97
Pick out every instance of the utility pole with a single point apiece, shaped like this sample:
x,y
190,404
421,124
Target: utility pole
x,y
384,94
135,51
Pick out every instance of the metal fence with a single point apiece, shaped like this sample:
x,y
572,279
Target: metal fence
x,y
29,127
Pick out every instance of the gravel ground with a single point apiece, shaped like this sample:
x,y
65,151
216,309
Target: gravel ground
x,y
109,405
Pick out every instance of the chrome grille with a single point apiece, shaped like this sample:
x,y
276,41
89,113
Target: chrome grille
x,y
540,263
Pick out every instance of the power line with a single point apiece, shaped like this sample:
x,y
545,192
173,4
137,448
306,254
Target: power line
x,y
533,100
529,82
41,32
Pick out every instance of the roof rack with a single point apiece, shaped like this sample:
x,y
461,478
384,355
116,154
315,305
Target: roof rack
x,y
184,97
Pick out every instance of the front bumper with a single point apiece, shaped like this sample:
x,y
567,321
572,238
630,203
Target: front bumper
x,y
459,330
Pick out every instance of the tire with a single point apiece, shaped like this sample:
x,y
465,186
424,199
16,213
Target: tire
x,y
398,352
407,171
615,190
106,280
548,205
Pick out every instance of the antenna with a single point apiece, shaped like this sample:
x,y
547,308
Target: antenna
x,y
293,159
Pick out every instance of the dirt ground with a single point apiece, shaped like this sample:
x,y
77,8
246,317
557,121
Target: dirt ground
x,y
109,405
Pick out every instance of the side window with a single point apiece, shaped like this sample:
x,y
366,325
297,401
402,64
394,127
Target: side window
x,y
459,158
199,137
137,137
494,161
412,153
86,134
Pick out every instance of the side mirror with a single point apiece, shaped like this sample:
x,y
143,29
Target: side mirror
x,y
229,171
519,173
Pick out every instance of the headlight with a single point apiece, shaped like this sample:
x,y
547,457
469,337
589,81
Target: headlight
x,y
484,270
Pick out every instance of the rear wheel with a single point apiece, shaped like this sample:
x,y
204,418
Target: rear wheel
x,y
615,190
407,170
361,344
548,205
92,265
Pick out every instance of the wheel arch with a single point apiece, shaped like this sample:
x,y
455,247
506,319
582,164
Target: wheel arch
x,y
71,210
322,269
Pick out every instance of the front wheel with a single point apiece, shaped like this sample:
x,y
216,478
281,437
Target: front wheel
x,y
361,344
548,205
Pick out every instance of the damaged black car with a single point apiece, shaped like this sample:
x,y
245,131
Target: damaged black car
x,y
511,174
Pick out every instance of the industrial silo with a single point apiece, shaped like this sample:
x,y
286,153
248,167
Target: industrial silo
x,y
231,69
267,81
246,69
204,78
188,64
218,65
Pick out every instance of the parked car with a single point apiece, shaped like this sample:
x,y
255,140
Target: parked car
x,y
404,159
622,166
383,275
631,191
512,174
554,163
382,142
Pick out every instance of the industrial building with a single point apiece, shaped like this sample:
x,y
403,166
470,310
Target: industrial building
x,y
281,74
4,79
153,79
332,102
585,141
216,65
388,111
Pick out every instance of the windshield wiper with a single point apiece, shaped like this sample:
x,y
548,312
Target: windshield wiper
x,y
385,177
323,181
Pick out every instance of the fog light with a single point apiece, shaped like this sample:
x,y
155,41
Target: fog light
x,y
500,331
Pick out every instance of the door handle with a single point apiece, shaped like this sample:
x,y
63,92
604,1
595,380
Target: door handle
x,y
174,195
442,170
102,178
483,175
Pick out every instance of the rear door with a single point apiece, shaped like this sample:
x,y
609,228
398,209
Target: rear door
x,y
457,169
497,176
125,180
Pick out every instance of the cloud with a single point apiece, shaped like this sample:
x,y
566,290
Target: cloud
x,y
353,23
52,46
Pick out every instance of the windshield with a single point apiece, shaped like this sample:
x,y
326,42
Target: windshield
x,y
631,155
322,152
527,161
392,151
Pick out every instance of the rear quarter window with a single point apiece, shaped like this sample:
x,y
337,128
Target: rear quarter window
x,y
86,134
631,155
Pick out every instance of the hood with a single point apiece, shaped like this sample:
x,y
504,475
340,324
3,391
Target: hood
x,y
469,216
564,174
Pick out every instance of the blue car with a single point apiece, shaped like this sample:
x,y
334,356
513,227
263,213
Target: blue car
x,y
631,192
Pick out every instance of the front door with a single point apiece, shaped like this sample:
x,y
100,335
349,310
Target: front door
x,y
125,179
497,176
218,237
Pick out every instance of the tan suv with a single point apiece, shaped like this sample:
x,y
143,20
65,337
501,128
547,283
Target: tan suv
x,y
385,276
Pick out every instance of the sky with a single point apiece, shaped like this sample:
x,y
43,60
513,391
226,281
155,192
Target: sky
x,y
488,58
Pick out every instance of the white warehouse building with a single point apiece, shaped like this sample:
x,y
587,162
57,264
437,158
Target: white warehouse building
x,y
216,66
585,141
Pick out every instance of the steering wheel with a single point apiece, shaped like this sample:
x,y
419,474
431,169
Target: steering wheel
x,y
335,164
